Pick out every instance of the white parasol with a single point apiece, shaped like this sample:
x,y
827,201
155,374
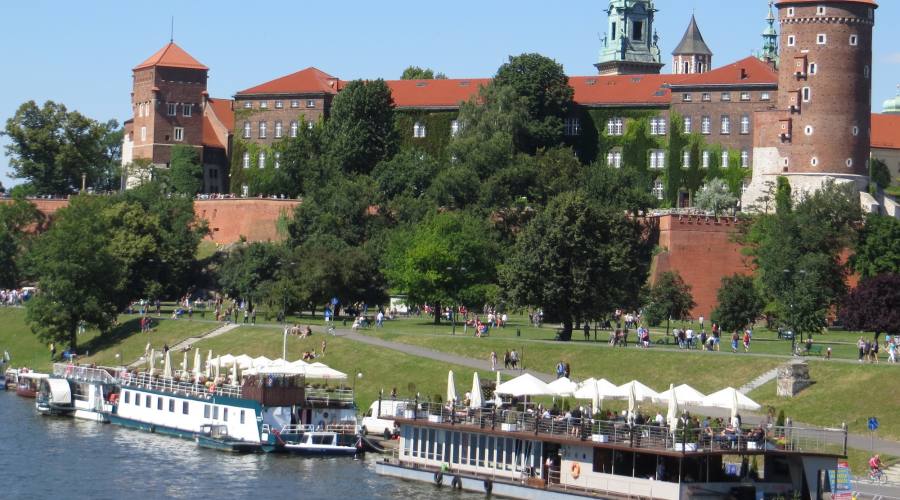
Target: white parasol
x,y
197,367
672,414
209,364
635,389
524,385
730,399
563,387
184,365
685,394
167,368
451,388
150,361
475,396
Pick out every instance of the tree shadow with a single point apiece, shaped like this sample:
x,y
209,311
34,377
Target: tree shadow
x,y
113,337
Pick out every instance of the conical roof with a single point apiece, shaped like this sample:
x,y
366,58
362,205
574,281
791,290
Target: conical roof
x,y
171,56
692,42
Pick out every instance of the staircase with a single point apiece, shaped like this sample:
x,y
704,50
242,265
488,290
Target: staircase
x,y
759,381
893,473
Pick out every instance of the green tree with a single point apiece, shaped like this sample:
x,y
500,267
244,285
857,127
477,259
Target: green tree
x,y
488,125
669,298
360,131
78,276
879,173
342,207
577,262
542,83
417,73
619,189
784,202
878,250
19,220
447,259
109,172
328,267
303,160
247,270
715,197
52,148
739,303
186,172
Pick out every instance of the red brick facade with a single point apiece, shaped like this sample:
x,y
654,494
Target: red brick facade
x,y
252,219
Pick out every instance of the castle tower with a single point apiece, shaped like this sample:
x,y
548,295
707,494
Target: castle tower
x,y
168,99
630,46
769,52
692,55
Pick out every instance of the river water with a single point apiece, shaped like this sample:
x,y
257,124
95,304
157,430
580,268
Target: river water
x,y
46,457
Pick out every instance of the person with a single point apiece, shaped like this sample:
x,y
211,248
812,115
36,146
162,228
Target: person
x,y
52,351
892,352
734,342
568,370
587,331
659,419
746,340
875,464
701,322
165,348
246,315
514,359
560,370
493,361
253,317
379,319
506,360
324,345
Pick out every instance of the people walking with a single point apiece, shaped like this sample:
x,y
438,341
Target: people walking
x,y
493,361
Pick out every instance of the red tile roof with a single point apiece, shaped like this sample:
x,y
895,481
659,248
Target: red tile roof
x,y
307,81
223,110
434,93
171,56
779,3
748,71
885,131
623,89
210,139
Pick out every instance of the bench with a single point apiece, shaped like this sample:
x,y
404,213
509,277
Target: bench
x,y
814,350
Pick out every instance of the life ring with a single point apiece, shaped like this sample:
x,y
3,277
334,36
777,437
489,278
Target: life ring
x,y
576,470
488,486
456,484
439,478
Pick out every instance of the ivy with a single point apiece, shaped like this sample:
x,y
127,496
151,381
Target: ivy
x,y
438,125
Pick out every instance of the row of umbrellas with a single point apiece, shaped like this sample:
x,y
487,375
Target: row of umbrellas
x,y
246,365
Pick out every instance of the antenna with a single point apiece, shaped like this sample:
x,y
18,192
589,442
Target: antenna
x,y
172,30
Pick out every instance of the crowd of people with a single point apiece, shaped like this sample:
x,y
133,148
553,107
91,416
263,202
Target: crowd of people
x,y
869,349
15,297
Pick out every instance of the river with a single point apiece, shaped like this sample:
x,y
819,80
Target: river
x,y
47,457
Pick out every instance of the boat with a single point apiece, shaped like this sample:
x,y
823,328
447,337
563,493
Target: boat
x,y
83,392
28,383
310,440
215,436
10,379
251,412
517,454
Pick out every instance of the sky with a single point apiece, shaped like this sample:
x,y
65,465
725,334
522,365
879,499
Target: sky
x,y
81,53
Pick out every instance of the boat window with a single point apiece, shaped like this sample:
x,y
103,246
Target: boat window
x,y
184,407
464,454
489,451
482,449
415,442
215,413
242,416
137,399
148,401
323,439
225,414
159,404
171,406
205,411
430,443
602,461
127,397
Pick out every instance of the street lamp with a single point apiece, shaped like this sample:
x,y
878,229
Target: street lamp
x,y
359,375
456,299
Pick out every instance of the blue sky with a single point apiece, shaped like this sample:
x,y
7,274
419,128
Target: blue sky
x,y
81,53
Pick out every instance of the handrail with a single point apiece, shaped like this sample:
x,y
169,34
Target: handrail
x,y
145,381
84,373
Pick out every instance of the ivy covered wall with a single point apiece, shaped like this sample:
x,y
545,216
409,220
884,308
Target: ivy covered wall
x,y
437,128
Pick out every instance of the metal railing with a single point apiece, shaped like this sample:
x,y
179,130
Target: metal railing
x,y
329,396
85,373
145,381
645,437
295,429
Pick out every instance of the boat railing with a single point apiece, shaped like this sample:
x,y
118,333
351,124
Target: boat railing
x,y
84,373
293,429
327,396
145,381
647,436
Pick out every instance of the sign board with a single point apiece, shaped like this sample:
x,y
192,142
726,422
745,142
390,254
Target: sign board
x,y
840,482
873,424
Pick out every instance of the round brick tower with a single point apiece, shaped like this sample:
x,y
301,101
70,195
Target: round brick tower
x,y
825,83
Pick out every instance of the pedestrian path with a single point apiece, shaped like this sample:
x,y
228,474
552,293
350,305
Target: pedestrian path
x,y
189,342
759,381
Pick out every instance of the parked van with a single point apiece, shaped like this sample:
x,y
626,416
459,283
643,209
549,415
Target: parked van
x,y
380,416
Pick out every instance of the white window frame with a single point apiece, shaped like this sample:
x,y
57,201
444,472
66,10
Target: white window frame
x,y
187,110
765,96
806,94
705,159
687,97
745,159
814,161
706,97
745,96
725,97
790,12
688,125
277,159
849,162
295,103
614,159
791,40
745,124
706,125
294,128
808,130
659,189
279,129
248,130
615,127
822,39
686,159
854,40
725,125
171,109
310,103
263,129
419,131
263,104
725,157
143,134
245,161
248,105
454,128
657,159
279,104
572,127
821,10
261,160
178,134
855,130
813,68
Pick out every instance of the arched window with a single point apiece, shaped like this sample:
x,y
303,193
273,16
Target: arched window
x,y
419,130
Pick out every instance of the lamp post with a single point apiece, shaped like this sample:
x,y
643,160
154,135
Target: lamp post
x,y
791,297
359,375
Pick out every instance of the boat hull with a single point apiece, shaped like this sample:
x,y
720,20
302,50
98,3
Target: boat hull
x,y
148,427
228,445
317,451
26,392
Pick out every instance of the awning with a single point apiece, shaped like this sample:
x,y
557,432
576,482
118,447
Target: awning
x,y
60,391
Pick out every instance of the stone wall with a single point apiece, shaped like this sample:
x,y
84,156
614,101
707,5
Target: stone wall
x,y
792,378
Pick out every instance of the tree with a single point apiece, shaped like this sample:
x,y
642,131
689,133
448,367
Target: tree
x,y
78,276
303,159
739,303
715,197
52,148
879,173
784,202
874,306
543,85
618,189
186,173
878,250
19,221
577,262
109,173
342,207
447,259
360,131
669,298
328,267
248,268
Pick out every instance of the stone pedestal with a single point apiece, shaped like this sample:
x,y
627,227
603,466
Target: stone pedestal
x,y
793,378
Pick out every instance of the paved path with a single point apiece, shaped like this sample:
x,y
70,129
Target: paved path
x,y
759,381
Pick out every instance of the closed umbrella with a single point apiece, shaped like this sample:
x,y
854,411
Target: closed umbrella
x,y
672,414
632,401
218,366
197,365
451,388
152,356
167,368
497,399
475,396
596,399
734,408
234,372
184,365
208,363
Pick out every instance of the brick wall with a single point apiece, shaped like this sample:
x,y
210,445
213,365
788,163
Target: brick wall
x,y
254,219
311,108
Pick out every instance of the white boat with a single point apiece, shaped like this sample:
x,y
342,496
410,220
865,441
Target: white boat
x,y
310,440
83,392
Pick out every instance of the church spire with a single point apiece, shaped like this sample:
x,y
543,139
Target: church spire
x,y
692,55
769,52
630,46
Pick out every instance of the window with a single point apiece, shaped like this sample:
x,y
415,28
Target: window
x,y
159,404
261,160
225,414
854,40
245,162
814,161
657,159
248,105
866,71
821,39
293,129
246,130
279,104
127,397
726,96
187,110
143,134
454,128
807,94
245,190
205,411
855,130
813,68
849,162
686,159
765,96
658,189
615,126
263,104
724,159
172,109
637,32
745,124
262,130
310,103
745,158
687,125
820,10
137,399
808,130
658,126
687,96
277,159
242,416
147,401
295,103
745,96
790,12
179,134
614,159
792,40
278,130
185,407
171,405
705,125
705,162
706,97
419,131
726,124
215,415
573,127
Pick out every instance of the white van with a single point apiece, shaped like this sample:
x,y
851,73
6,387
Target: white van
x,y
375,422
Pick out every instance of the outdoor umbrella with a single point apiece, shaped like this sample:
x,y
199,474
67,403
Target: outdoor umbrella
x,y
672,414
209,363
197,365
152,356
234,372
730,399
184,364
451,388
497,399
632,401
603,387
596,399
639,391
218,366
261,361
524,385
563,387
685,394
244,361
167,368
475,395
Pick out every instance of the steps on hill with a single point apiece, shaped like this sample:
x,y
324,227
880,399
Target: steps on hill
x,y
893,473
189,342
759,381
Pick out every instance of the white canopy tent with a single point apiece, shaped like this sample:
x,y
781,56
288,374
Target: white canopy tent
x,y
321,371
525,385
637,390
684,394
563,387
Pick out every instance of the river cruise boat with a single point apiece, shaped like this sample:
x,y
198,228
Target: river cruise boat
x,y
517,455
265,410
82,392
28,383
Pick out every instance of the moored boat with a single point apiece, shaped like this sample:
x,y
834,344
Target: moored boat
x,y
82,392
216,437
309,440
28,383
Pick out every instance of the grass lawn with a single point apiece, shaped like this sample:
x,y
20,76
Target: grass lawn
x,y
24,347
381,368
128,341
843,393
